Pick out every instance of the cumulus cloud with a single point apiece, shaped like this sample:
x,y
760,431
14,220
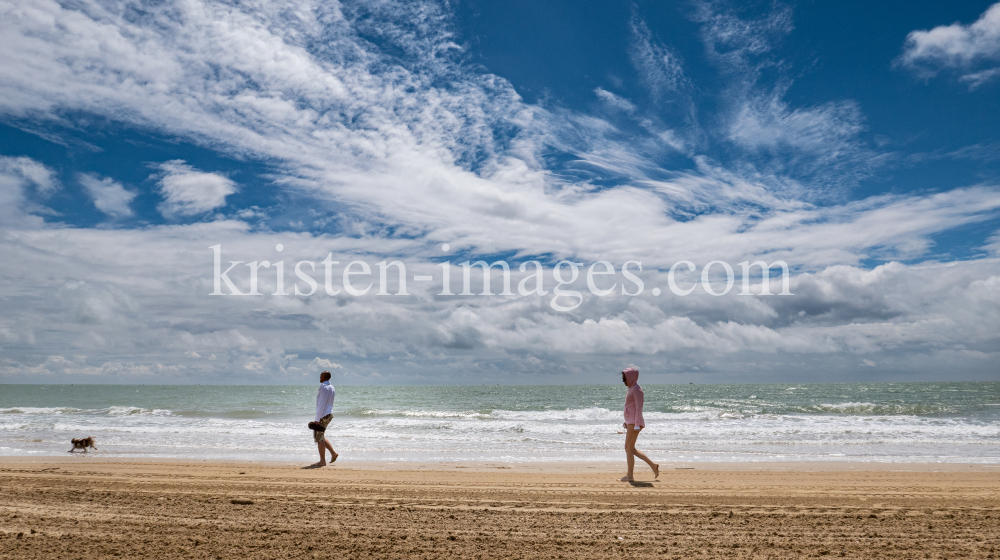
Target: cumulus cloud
x,y
109,195
323,364
965,48
138,302
189,192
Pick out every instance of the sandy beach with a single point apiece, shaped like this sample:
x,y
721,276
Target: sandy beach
x,y
93,507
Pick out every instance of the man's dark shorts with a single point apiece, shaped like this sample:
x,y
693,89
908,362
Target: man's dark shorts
x,y
325,421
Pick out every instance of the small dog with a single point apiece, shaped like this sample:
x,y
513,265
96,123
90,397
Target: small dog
x,y
82,443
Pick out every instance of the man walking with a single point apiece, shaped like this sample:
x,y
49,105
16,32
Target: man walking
x,y
324,413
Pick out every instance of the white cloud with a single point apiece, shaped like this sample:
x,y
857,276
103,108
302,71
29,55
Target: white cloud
x,y
738,43
768,123
19,178
957,46
977,79
109,195
34,173
993,244
616,101
140,300
323,364
376,136
189,192
658,66
819,146
360,131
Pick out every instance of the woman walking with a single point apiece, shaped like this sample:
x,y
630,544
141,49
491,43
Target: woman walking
x,y
634,423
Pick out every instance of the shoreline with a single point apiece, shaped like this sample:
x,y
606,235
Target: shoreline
x,y
581,467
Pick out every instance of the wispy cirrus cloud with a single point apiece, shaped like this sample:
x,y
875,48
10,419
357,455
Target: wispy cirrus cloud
x,y
659,67
819,147
472,148
973,50
740,44
616,101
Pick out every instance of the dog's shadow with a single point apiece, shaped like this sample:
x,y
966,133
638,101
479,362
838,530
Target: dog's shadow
x,y
637,484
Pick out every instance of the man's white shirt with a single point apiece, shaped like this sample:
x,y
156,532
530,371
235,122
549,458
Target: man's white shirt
x,y
324,400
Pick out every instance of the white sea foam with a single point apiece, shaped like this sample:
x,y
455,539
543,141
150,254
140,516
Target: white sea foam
x,y
591,414
38,410
134,410
426,413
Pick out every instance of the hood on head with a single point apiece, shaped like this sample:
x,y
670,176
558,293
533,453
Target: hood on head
x,y
631,376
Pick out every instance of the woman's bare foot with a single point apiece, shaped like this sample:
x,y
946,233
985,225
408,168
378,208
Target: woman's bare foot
x,y
625,478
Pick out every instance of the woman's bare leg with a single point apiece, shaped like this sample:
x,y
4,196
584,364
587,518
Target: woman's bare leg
x,y
631,435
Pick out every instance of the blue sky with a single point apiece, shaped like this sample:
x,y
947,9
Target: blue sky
x,y
856,142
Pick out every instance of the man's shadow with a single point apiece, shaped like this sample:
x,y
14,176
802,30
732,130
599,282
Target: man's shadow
x,y
638,484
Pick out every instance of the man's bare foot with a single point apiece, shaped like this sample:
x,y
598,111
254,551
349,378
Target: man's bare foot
x,y
320,464
656,471
625,478
335,455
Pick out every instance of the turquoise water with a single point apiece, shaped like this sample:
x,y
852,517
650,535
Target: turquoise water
x,y
938,422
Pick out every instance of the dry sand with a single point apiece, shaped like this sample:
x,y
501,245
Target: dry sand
x,y
90,507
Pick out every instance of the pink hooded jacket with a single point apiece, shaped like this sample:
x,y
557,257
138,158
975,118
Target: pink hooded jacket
x,y
633,400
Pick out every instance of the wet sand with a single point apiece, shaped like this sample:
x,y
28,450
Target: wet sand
x,y
91,507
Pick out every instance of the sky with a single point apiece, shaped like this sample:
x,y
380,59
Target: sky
x,y
146,146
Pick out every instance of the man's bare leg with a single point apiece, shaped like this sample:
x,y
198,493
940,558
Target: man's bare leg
x,y
322,447
333,454
322,454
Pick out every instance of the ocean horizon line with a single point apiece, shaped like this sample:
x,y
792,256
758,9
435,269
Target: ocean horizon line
x,y
645,384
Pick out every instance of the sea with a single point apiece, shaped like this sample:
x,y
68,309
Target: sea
x,y
855,422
